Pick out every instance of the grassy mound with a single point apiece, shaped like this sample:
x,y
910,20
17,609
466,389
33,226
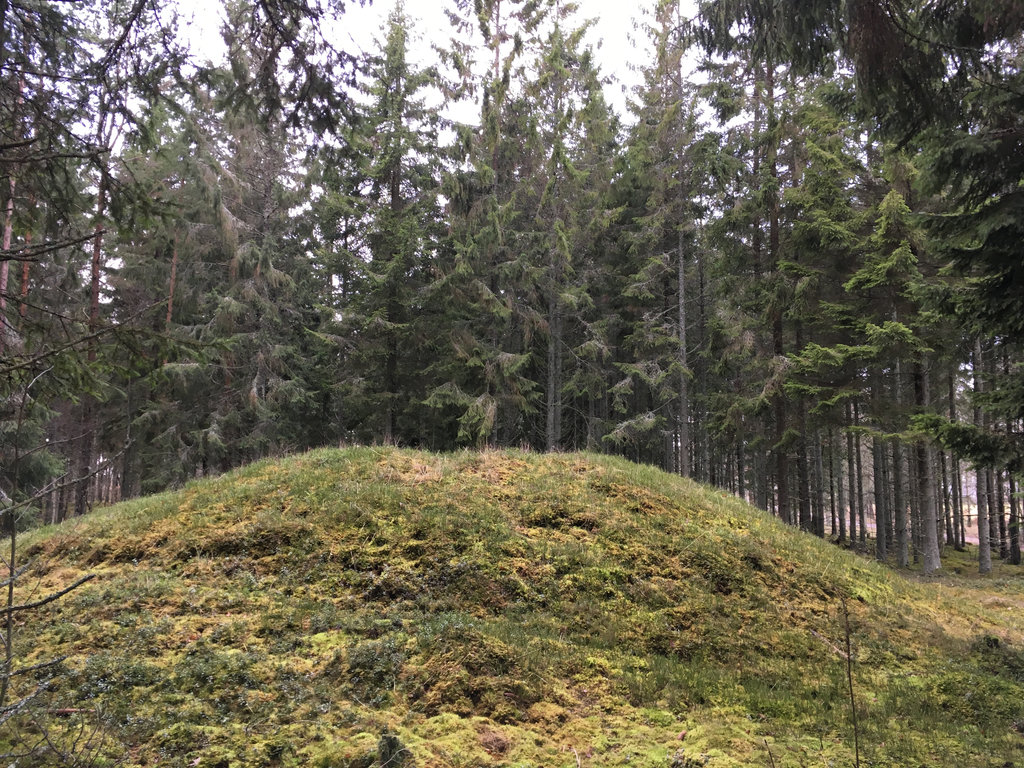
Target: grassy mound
x,y
355,608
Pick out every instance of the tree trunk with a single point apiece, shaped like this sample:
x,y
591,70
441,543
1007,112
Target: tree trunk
x,y
955,484
683,416
819,486
1014,529
5,265
862,528
881,517
984,548
841,493
947,505
851,475
803,473
1004,550
926,481
835,488
900,506
88,428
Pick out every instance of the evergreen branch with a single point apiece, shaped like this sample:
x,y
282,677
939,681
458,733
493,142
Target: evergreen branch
x,y
17,144
129,24
32,253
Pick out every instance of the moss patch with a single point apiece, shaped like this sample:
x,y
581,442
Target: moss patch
x,y
504,608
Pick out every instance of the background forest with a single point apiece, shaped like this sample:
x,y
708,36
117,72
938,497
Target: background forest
x,y
795,273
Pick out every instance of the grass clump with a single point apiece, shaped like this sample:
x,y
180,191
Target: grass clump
x,y
346,607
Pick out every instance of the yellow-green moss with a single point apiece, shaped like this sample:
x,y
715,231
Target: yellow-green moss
x,y
504,608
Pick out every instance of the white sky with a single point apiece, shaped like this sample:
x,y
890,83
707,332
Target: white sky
x,y
620,45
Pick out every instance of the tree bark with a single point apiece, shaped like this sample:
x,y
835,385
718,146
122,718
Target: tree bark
x,y
881,516
5,265
861,514
926,481
851,475
88,428
984,548
1014,528
684,367
900,506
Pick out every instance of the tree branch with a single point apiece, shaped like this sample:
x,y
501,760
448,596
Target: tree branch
x,y
48,599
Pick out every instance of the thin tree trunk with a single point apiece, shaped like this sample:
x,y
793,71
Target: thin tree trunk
x,y
861,514
778,341
890,527
984,546
955,484
835,483
851,475
993,510
741,466
8,235
961,523
5,265
881,518
1004,550
1014,529
926,481
947,505
803,473
984,549
87,426
684,370
819,486
900,507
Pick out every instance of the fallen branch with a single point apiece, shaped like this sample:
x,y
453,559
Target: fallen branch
x,y
48,599
34,667
838,651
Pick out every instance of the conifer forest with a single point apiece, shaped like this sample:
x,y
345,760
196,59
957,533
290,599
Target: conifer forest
x,y
792,267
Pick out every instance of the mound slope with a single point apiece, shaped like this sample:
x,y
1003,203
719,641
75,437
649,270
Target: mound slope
x,y
368,606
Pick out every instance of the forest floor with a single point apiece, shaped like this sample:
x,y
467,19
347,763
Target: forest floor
x,y
361,607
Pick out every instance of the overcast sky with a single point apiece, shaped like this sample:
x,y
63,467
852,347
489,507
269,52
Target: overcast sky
x,y
621,47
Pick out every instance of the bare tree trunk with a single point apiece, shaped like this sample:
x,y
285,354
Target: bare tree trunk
x,y
926,482
984,549
803,474
947,505
842,492
684,367
851,475
103,136
862,531
819,486
900,505
993,510
741,466
1014,529
1004,549
881,517
955,484
835,488
5,265
961,524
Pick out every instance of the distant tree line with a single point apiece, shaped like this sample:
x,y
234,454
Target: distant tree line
x,y
794,273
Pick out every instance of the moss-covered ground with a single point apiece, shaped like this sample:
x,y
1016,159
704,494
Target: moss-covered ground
x,y
507,609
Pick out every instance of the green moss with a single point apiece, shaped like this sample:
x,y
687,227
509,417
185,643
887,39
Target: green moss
x,y
510,609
